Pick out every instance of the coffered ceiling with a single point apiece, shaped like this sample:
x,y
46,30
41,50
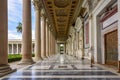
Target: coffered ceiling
x,y
61,12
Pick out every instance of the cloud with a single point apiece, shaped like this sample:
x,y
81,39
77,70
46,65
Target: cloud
x,y
14,10
15,16
14,35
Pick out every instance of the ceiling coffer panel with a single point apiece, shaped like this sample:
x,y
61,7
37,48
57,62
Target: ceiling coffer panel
x,y
61,13
61,19
61,3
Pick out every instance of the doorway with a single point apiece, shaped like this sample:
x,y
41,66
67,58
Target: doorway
x,y
111,48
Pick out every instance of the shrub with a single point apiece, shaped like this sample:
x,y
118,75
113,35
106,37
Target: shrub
x,y
14,57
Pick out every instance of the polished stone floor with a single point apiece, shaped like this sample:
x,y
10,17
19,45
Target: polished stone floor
x,y
62,67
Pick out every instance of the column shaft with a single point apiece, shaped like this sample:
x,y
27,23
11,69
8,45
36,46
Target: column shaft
x,y
12,48
3,33
51,44
43,50
119,36
17,48
49,41
47,38
26,34
4,67
38,36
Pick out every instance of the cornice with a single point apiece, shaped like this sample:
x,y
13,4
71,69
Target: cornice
x,y
49,18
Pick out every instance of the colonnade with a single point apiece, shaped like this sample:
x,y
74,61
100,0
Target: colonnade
x,y
44,39
14,47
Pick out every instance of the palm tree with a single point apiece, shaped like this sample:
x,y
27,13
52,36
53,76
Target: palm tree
x,y
19,27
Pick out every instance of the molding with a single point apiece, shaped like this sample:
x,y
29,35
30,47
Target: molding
x,y
77,10
84,3
78,24
49,18
101,5
110,14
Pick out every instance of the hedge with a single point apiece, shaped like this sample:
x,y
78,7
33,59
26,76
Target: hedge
x,y
15,57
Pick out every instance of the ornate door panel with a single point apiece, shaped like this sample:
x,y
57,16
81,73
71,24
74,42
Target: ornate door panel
x,y
111,48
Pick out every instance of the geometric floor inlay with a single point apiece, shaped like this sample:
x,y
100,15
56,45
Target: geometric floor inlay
x,y
62,67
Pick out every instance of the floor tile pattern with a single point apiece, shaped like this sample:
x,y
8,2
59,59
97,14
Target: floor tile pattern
x,y
62,67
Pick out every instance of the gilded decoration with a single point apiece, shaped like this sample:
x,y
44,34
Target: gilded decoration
x,y
61,3
61,12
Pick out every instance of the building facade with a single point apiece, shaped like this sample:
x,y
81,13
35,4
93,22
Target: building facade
x,y
15,46
95,34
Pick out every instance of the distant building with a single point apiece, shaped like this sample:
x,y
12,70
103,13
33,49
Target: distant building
x,y
15,45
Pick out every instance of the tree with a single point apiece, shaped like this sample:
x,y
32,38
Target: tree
x,y
19,27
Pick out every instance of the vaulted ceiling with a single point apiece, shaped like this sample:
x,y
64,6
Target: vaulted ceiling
x,y
61,14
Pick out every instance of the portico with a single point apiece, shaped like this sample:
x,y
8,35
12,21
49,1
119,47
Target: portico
x,y
85,31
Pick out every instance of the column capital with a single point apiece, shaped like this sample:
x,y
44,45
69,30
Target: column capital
x,y
37,4
43,13
47,20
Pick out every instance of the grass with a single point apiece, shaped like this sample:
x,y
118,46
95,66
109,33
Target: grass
x,y
15,57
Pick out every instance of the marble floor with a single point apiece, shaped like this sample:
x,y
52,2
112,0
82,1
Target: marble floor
x,y
62,67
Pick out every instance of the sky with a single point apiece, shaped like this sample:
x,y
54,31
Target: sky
x,y
15,16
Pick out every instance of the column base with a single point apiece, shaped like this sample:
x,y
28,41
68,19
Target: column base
x,y
46,57
36,59
5,69
26,62
92,61
43,57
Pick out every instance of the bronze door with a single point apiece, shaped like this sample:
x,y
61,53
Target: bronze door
x,y
111,48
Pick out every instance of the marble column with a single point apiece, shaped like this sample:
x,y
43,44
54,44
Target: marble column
x,y
47,37
12,49
43,38
4,67
91,39
17,48
37,30
54,45
49,42
26,34
119,36
83,53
